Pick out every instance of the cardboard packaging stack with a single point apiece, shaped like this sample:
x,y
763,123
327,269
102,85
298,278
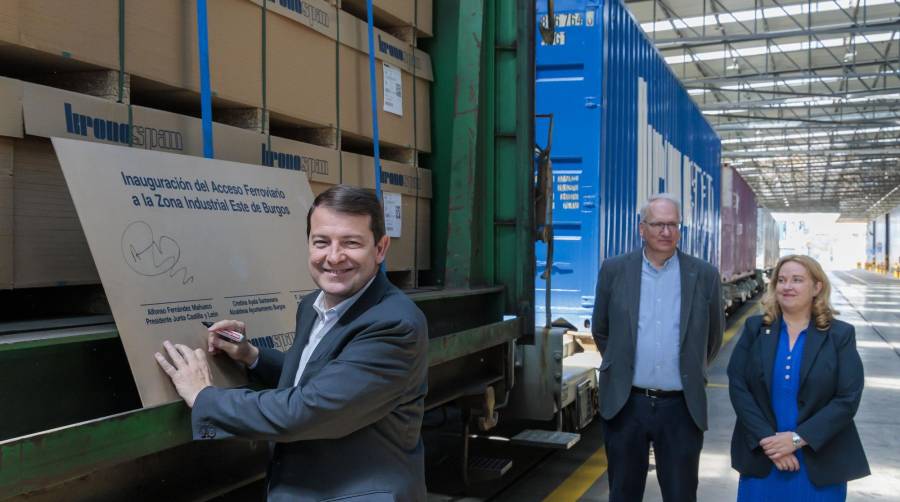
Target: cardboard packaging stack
x,y
306,61
411,191
404,117
397,13
316,64
309,45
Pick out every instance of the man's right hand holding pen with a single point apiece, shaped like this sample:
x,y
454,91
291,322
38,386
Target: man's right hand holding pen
x,y
243,352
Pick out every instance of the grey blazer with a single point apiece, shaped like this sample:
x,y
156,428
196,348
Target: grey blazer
x,y
351,430
615,322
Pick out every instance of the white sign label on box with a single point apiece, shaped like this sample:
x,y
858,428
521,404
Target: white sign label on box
x,y
393,221
178,240
393,90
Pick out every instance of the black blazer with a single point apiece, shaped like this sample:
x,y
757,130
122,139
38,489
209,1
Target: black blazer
x,y
615,323
831,384
351,430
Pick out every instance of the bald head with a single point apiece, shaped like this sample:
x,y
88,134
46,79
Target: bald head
x,y
660,198
660,227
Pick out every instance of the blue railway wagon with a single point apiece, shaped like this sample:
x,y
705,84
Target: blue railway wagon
x,y
881,243
767,244
893,241
624,128
870,244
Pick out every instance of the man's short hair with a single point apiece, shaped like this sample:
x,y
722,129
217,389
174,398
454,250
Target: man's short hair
x,y
645,209
351,200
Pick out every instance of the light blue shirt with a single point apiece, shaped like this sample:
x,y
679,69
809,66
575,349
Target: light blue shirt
x,y
656,364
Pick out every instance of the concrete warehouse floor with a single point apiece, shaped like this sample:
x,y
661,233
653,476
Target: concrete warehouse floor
x,y
870,302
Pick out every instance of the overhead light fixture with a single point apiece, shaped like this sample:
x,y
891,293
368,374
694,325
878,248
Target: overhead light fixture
x,y
797,9
819,134
722,112
773,48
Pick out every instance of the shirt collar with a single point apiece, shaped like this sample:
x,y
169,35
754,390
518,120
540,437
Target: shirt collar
x,y
672,259
340,308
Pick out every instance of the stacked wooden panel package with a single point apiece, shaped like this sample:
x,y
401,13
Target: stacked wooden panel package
x,y
290,86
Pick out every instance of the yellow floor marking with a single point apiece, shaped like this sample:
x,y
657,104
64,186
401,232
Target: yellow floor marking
x,y
581,480
738,325
731,332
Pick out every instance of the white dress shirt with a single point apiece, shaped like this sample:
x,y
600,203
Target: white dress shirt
x,y
326,318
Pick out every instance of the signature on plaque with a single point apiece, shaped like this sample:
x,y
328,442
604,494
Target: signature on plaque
x,y
151,256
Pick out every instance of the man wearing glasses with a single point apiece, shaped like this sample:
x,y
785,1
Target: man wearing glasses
x,y
657,322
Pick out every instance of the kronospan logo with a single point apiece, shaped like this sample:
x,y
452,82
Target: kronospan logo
x,y
399,180
310,12
390,50
293,162
98,128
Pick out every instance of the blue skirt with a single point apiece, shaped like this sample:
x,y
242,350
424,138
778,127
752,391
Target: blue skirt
x,y
781,486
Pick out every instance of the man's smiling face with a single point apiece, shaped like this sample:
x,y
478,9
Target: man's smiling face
x,y
343,254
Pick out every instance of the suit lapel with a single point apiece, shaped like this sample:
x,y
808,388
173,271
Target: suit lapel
x,y
368,300
306,318
688,285
814,341
768,345
634,274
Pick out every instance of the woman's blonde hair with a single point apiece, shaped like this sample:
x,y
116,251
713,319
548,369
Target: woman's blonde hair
x,y
822,311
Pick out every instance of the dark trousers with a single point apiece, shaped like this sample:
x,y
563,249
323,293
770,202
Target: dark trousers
x,y
677,441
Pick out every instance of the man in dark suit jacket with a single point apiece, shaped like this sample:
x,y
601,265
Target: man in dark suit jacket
x,y
346,409
657,322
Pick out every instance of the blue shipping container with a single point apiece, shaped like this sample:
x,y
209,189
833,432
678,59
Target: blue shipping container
x,y
893,239
881,243
624,128
870,243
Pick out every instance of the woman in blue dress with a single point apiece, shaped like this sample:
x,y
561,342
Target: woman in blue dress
x,y
795,380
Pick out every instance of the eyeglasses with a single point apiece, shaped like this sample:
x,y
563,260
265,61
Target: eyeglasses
x,y
659,226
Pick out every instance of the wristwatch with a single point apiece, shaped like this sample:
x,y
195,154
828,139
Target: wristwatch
x,y
796,440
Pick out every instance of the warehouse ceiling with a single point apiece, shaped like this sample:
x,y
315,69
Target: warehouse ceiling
x,y
805,95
